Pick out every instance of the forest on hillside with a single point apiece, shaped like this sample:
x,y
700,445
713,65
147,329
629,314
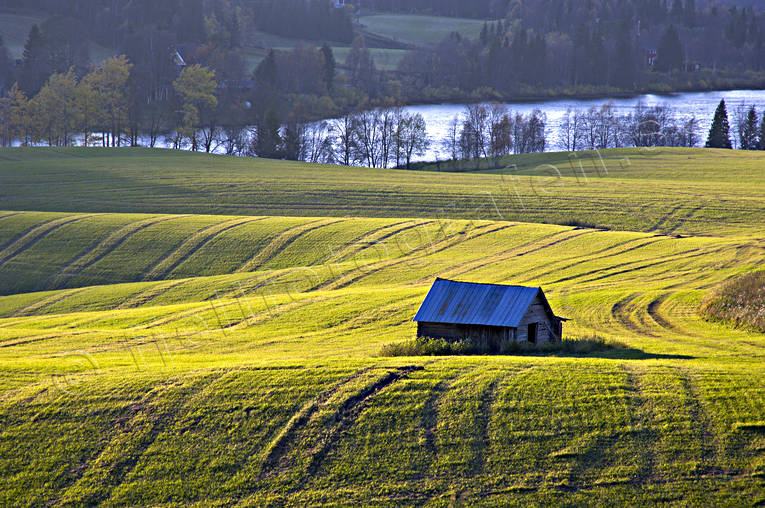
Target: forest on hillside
x,y
527,48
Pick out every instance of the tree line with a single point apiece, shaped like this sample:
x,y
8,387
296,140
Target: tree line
x,y
604,127
748,128
534,48
96,110
378,138
493,131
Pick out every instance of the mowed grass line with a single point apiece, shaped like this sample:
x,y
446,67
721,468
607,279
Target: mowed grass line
x,y
33,236
101,250
191,245
281,242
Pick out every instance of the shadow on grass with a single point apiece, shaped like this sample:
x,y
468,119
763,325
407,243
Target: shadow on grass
x,y
590,347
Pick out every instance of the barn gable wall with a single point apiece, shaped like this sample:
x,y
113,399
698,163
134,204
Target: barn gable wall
x,y
538,313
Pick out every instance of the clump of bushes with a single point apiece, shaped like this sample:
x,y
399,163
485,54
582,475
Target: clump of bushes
x,y
739,302
426,346
580,224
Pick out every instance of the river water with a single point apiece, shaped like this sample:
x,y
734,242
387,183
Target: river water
x,y
685,105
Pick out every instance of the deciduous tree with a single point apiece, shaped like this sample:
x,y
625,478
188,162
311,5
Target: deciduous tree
x,y
411,138
196,88
109,81
53,111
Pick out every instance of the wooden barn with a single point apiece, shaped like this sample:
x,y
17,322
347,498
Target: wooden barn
x,y
487,314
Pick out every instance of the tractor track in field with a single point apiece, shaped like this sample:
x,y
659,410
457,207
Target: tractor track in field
x,y
9,214
517,251
277,448
252,319
702,424
666,218
689,254
370,238
147,295
642,415
483,440
33,308
191,246
350,411
429,421
28,230
354,276
134,432
245,285
653,311
282,241
682,220
275,455
29,239
581,260
21,341
257,283
589,455
108,245
620,312
661,259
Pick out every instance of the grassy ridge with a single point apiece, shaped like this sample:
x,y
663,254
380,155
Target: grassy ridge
x,y
233,359
740,301
667,191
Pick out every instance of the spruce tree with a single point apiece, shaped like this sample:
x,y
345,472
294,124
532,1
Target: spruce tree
x,y
677,10
293,141
750,135
761,144
719,133
484,37
690,13
267,72
5,67
330,66
35,68
670,53
624,66
269,140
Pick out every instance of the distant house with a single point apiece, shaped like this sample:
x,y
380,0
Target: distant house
x,y
487,314
651,55
178,60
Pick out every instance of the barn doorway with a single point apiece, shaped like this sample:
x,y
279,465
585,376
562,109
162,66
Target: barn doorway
x,y
532,333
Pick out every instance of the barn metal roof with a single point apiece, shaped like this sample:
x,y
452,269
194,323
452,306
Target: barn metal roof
x,y
476,304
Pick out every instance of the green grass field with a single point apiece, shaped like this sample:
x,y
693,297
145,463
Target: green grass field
x,y
179,329
415,29
261,42
669,191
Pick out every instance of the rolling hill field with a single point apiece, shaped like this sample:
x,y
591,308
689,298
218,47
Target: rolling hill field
x,y
178,328
14,28
419,30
